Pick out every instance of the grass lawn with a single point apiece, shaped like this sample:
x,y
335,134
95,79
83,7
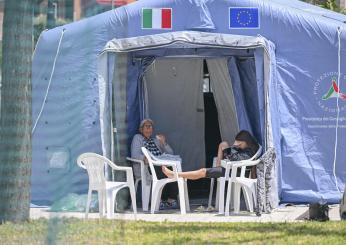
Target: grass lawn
x,y
74,231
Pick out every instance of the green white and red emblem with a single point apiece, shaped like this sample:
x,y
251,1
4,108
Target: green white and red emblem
x,y
334,91
157,18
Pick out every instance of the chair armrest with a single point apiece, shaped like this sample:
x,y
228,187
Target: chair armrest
x,y
128,170
116,167
225,163
168,163
214,161
122,168
134,160
234,165
245,163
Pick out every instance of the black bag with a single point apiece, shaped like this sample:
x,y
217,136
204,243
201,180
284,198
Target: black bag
x,y
318,212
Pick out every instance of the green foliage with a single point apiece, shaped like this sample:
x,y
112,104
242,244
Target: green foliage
x,y
331,4
327,4
73,231
40,24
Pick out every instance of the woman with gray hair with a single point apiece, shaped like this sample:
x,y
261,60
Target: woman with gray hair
x,y
157,146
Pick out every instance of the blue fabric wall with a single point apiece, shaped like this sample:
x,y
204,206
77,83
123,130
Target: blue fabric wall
x,y
307,61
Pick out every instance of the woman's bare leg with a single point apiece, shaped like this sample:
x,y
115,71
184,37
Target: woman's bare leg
x,y
223,145
193,175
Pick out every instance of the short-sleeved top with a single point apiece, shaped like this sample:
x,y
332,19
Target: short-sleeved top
x,y
236,154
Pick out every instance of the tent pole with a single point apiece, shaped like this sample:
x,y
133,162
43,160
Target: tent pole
x,y
337,109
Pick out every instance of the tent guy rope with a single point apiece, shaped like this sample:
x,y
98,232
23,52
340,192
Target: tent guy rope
x,y
50,81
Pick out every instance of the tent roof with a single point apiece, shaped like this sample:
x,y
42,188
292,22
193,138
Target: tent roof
x,y
311,9
187,37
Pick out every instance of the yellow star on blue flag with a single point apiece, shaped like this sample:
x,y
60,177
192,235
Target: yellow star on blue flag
x,y
243,18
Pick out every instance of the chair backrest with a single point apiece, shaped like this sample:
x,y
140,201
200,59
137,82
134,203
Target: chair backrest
x,y
95,166
253,158
151,160
257,154
214,161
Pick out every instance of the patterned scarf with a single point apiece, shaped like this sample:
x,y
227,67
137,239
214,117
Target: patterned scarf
x,y
152,147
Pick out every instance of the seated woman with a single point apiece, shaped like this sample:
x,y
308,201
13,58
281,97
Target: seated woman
x,y
244,147
157,146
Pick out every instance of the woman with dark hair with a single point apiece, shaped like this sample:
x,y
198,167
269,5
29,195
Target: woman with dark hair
x,y
244,147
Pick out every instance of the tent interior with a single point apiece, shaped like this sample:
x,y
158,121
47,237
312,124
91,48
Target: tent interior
x,y
196,96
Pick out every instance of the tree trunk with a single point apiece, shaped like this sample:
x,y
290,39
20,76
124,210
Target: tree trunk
x,y
51,21
15,121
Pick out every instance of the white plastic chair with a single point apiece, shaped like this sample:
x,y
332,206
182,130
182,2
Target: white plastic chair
x,y
158,184
146,184
95,165
221,183
248,185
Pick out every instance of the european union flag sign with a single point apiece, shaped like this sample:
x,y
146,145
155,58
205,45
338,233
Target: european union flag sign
x,y
244,18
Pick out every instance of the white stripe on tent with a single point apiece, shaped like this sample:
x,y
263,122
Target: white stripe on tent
x,y
157,18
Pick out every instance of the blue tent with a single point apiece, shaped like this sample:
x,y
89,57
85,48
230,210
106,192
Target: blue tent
x,y
276,68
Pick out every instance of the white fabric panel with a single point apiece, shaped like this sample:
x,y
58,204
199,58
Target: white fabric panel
x,y
105,118
224,98
269,132
157,18
175,100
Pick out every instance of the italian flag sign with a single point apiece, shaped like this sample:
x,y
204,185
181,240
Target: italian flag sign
x,y
157,18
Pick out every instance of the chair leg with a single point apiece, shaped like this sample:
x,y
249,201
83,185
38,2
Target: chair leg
x,y
111,194
222,196
211,192
88,203
154,197
232,197
181,195
236,198
136,184
145,196
187,200
248,198
228,198
101,196
254,195
133,199
158,200
217,194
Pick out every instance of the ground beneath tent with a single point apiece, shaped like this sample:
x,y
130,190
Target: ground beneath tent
x,y
283,213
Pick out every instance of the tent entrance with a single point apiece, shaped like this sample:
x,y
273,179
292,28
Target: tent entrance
x,y
240,67
183,97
